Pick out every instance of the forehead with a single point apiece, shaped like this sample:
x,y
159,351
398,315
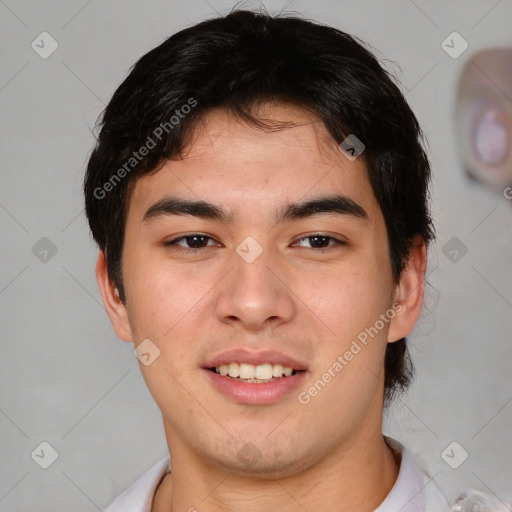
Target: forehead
x,y
227,160
290,133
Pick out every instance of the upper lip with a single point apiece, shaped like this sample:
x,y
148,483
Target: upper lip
x,y
241,355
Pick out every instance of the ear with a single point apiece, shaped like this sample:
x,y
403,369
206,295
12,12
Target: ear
x,y
408,295
115,308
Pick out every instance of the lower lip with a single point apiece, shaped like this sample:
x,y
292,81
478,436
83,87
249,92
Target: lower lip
x,y
254,393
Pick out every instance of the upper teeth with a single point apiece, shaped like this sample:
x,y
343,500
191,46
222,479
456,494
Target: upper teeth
x,y
250,371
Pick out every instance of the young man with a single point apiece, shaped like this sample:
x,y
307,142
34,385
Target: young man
x,y
259,195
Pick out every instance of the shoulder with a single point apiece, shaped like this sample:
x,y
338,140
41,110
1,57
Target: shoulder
x,y
139,496
435,500
426,496
413,490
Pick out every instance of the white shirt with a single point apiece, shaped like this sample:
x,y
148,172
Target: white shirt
x,y
413,491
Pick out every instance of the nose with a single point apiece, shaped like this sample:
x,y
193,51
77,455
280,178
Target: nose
x,y
255,295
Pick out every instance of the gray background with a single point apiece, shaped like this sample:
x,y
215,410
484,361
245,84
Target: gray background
x,y
64,376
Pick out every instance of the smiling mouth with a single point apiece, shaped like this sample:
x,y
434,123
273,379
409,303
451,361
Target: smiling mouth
x,y
260,384
254,374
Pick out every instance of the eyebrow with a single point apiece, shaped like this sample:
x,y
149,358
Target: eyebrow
x,y
338,204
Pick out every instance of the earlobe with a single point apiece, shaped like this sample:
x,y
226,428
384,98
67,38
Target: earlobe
x,y
408,297
115,308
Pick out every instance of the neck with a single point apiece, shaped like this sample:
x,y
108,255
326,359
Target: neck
x,y
355,477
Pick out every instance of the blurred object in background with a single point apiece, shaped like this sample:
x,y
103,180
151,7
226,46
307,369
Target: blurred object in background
x,y
475,501
483,118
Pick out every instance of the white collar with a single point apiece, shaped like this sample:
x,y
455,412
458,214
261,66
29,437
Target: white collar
x,y
413,490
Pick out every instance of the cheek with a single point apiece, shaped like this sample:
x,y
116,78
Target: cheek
x,y
163,304
350,301
347,298
161,294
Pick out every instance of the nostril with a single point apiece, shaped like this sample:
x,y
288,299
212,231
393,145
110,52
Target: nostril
x,y
491,139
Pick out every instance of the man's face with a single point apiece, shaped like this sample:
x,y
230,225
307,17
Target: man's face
x,y
258,284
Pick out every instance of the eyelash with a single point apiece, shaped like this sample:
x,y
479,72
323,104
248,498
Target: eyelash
x,y
177,248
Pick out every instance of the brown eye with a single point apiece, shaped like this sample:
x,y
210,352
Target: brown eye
x,y
195,241
192,243
320,242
